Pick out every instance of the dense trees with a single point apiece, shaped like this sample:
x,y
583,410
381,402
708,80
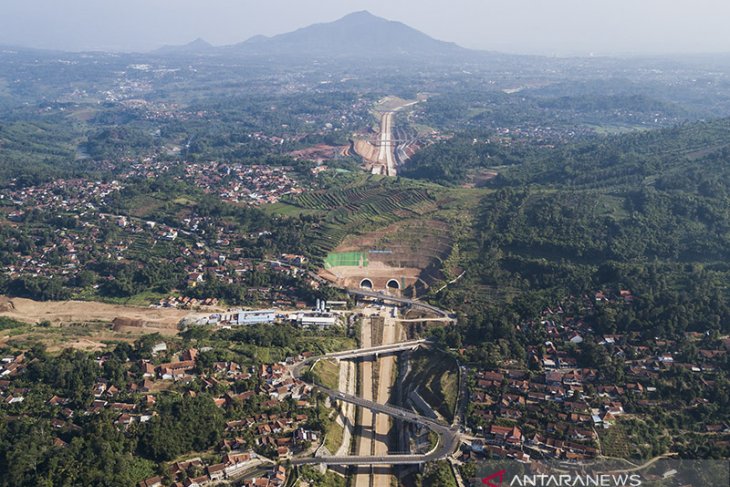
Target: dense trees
x,y
665,157
39,288
439,475
623,217
36,448
128,280
453,161
36,151
178,427
93,451
72,374
100,455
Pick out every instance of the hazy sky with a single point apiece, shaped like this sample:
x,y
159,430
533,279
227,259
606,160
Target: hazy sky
x,y
526,26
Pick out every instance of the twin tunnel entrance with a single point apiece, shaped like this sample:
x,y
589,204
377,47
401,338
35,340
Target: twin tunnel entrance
x,y
392,284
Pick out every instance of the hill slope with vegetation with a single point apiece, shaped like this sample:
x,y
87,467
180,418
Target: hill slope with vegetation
x,y
648,212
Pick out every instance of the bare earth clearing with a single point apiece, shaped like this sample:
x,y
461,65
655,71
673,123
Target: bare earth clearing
x,y
67,312
85,325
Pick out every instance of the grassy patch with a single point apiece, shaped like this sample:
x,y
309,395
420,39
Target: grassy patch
x,y
327,479
423,130
184,201
142,299
288,210
635,438
449,386
10,324
614,442
322,345
328,373
611,206
144,205
333,437
317,344
438,377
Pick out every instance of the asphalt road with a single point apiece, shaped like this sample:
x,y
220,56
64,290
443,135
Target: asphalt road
x,y
395,299
381,349
366,420
382,476
448,437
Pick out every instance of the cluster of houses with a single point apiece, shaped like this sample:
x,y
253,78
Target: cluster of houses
x,y
71,195
570,129
281,435
87,235
251,185
10,367
155,110
63,253
275,428
554,408
231,267
195,473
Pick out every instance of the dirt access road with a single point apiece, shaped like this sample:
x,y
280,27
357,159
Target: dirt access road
x,y
346,419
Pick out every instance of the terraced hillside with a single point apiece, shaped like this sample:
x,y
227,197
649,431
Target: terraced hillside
x,y
377,228
413,242
366,205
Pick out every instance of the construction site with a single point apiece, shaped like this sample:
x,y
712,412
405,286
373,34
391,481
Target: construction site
x,y
404,258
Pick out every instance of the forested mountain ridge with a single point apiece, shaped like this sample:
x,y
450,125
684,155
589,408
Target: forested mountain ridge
x,y
611,255
697,153
648,212
638,158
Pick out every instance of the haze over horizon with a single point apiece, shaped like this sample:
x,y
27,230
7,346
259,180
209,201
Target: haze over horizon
x,y
557,27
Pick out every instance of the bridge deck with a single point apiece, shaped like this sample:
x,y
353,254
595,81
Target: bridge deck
x,y
382,349
448,437
395,299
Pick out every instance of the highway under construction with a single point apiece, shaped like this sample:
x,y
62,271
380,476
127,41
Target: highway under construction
x,y
376,359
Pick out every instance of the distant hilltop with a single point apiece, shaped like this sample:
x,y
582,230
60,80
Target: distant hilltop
x,y
198,46
360,34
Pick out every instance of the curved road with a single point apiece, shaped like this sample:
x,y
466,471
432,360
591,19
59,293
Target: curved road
x,y
448,436
395,299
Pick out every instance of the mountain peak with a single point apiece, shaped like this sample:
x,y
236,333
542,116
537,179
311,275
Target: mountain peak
x,y
359,34
362,14
199,42
198,46
361,18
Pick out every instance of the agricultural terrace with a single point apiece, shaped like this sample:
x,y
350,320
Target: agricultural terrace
x,y
364,205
